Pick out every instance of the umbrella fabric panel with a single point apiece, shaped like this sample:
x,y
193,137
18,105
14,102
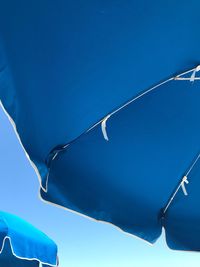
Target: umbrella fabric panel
x,y
7,259
182,221
73,62
129,179
27,241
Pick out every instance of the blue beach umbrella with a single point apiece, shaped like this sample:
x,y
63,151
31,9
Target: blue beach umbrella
x,y
22,245
104,96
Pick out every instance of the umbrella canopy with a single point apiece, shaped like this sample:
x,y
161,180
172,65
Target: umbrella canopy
x,y
23,245
105,99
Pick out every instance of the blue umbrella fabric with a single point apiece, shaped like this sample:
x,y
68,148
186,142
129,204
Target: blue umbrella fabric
x,y
23,245
104,96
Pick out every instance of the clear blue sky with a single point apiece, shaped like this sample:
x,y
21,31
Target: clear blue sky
x,y
82,242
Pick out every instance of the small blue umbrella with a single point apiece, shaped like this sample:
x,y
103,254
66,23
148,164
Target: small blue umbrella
x,y
23,245
104,96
